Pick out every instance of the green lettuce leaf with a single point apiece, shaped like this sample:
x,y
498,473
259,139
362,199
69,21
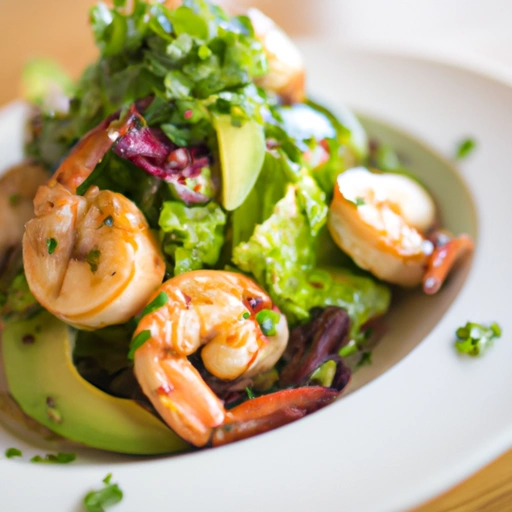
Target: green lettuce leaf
x,y
281,256
195,59
330,145
192,236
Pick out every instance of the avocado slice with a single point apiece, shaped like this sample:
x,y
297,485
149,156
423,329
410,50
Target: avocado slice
x,y
46,385
242,151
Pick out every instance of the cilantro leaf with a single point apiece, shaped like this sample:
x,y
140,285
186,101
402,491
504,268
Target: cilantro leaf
x,y
473,339
110,494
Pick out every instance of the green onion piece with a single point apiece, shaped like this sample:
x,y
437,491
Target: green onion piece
x,y
50,458
97,501
473,338
159,301
137,342
464,148
246,315
51,245
249,392
324,374
268,321
13,452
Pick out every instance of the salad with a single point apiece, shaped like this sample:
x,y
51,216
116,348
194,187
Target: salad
x,y
194,252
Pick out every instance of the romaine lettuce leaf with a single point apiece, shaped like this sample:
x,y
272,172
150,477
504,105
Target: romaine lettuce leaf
x,y
281,256
192,236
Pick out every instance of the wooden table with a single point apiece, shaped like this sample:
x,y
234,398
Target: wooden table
x,y
59,29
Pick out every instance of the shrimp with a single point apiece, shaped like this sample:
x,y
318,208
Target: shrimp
x,y
18,187
286,71
214,311
381,221
90,260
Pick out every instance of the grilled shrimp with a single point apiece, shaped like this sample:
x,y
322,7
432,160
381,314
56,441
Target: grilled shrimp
x,y
381,221
215,312
18,187
286,72
90,260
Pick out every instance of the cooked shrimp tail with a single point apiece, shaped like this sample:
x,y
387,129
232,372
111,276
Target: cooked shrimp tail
x,y
91,149
267,412
90,259
215,313
442,260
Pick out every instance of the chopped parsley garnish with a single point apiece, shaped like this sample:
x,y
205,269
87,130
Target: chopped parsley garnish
x,y
465,147
51,245
13,452
93,258
159,301
109,221
473,339
14,199
249,392
110,494
137,342
246,315
50,458
268,321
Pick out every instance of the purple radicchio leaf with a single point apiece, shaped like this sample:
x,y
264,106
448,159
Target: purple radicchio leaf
x,y
150,149
315,343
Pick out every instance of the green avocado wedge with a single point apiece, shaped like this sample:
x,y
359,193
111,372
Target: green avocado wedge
x,y
242,151
46,385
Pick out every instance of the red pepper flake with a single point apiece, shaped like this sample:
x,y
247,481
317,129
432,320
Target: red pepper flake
x,y
164,390
188,299
187,114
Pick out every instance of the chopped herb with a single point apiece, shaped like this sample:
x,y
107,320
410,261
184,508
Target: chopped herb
x,y
13,452
366,359
268,321
15,199
137,342
249,392
349,349
109,221
464,148
159,301
51,245
50,458
473,339
97,501
246,315
358,202
93,258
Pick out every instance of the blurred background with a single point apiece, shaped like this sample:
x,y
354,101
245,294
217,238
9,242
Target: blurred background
x,y
476,30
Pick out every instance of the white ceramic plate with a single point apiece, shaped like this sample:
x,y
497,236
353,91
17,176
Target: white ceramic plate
x,y
431,419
